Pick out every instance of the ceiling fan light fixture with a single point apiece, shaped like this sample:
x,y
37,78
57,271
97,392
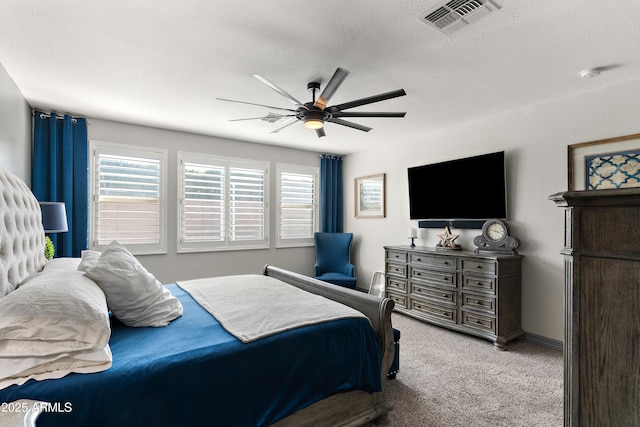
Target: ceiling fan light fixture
x,y
313,124
314,119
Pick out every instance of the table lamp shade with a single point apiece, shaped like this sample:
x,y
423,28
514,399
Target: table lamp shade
x,y
54,217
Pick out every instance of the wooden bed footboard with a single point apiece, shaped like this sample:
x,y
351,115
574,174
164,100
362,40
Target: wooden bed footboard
x,y
356,407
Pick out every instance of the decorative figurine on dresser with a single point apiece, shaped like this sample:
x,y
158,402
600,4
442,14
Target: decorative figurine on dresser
x,y
478,294
448,241
602,307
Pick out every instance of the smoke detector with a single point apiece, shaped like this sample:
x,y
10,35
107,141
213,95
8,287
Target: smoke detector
x,y
590,73
454,15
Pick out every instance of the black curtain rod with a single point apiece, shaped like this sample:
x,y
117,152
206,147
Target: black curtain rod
x,y
48,115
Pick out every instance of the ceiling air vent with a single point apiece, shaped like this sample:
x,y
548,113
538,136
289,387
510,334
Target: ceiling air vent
x,y
454,15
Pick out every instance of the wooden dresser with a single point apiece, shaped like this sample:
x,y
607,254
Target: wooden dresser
x,y
478,294
602,307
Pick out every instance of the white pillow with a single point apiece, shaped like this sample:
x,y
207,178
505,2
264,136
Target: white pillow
x,y
62,264
133,294
57,366
89,259
55,323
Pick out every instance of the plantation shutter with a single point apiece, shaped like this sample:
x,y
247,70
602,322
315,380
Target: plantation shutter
x,y
297,206
127,199
222,203
246,204
203,206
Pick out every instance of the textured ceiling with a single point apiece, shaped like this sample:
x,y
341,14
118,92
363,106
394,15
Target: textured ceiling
x,y
163,63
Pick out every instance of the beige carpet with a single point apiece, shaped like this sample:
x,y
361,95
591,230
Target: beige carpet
x,y
451,379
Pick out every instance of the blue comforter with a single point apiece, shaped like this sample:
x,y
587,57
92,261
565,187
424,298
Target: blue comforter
x,y
195,373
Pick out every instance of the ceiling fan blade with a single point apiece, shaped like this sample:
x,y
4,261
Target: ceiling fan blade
x,y
371,99
331,88
366,114
320,132
292,122
278,89
258,105
350,124
267,117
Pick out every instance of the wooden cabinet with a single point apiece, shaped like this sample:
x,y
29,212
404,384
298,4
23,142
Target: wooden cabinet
x,y
478,294
602,307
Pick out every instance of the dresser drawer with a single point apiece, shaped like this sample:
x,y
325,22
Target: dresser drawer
x,y
397,256
397,270
439,262
399,299
478,321
441,312
478,283
445,278
479,302
478,266
394,284
438,294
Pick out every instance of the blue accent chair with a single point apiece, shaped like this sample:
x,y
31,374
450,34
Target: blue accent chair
x,y
333,259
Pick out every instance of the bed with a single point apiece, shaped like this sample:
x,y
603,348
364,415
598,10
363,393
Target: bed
x,y
193,367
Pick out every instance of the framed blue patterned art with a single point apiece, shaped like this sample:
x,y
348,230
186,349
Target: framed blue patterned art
x,y
605,164
614,170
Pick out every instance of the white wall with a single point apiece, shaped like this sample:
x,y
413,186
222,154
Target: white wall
x,y
535,140
15,129
173,266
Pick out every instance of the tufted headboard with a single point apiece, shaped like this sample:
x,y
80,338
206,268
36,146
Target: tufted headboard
x,y
21,232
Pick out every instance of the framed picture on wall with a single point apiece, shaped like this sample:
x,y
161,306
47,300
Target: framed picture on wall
x,y
604,164
369,196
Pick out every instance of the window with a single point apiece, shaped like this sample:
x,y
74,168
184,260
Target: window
x,y
223,203
297,202
127,197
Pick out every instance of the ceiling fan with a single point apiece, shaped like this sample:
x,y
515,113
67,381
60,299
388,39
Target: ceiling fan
x,y
314,114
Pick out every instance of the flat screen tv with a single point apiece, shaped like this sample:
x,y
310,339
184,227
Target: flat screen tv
x,y
467,188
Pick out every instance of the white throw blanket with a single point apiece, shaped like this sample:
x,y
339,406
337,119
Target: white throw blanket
x,y
253,306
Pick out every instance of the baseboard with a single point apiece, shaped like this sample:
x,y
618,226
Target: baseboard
x,y
543,341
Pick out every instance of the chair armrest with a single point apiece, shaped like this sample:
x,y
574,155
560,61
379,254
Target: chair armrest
x,y
316,270
350,270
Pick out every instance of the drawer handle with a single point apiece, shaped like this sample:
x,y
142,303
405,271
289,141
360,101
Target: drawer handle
x,y
418,274
419,259
445,278
445,296
478,283
478,266
445,262
444,313
478,302
478,321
